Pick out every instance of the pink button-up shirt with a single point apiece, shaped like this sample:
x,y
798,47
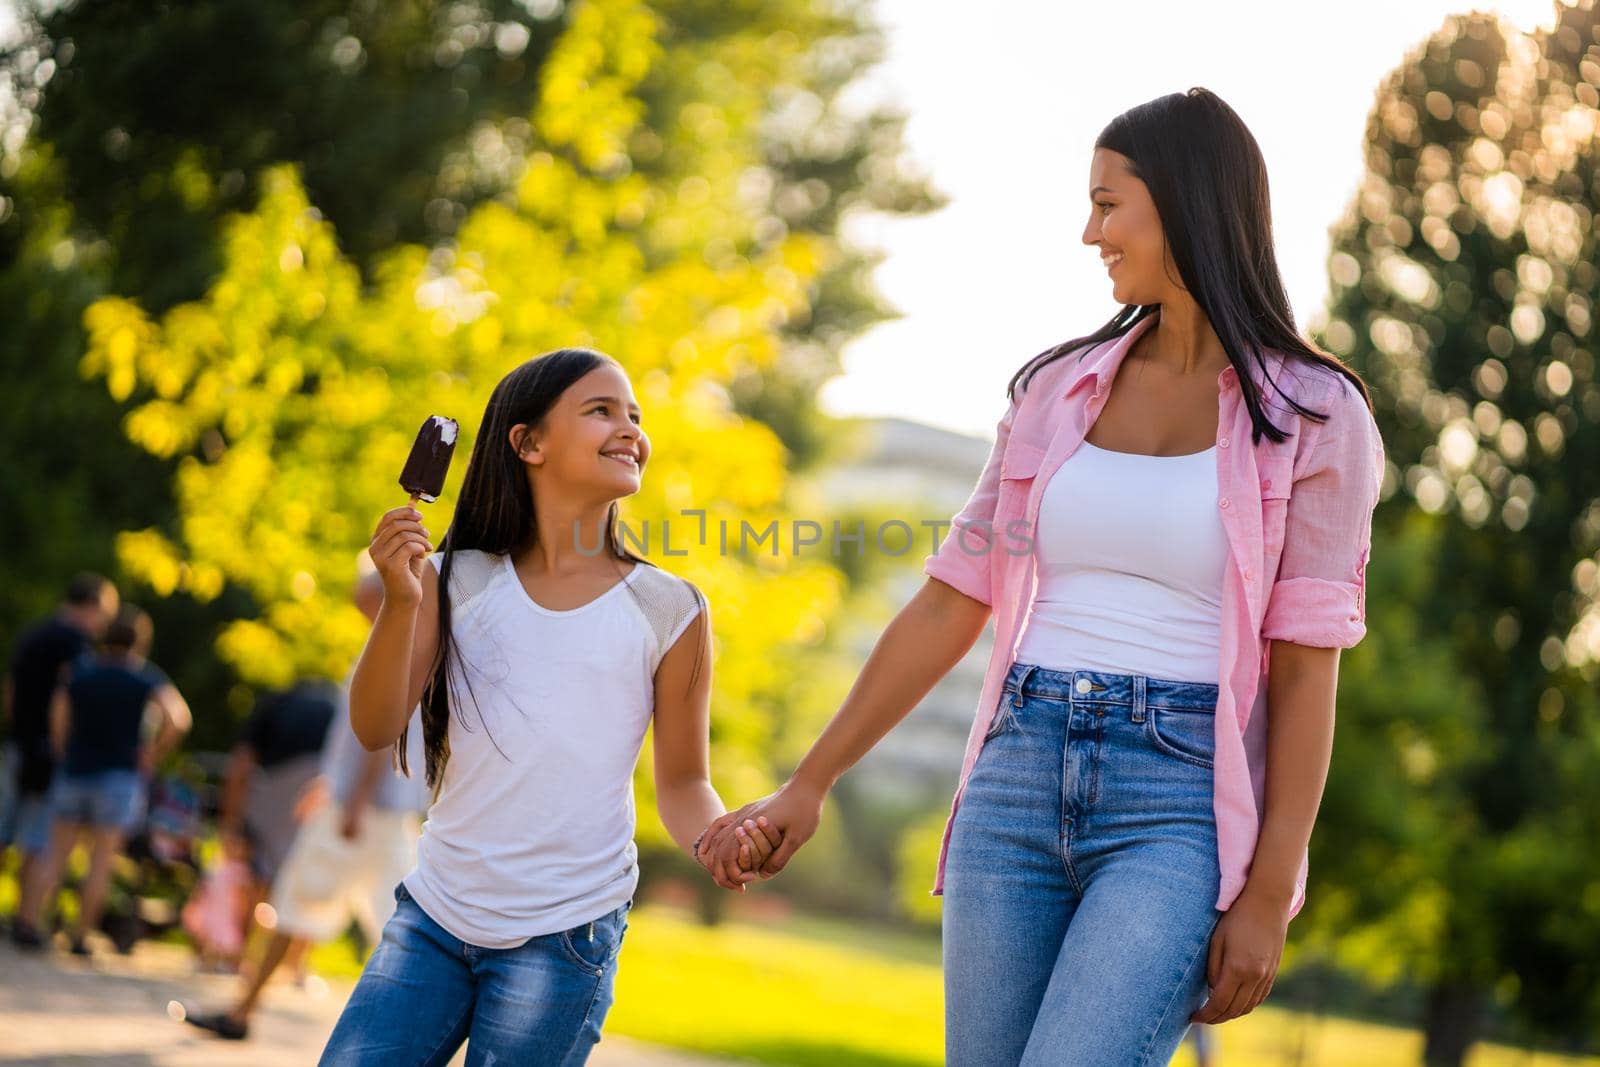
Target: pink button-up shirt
x,y
1298,519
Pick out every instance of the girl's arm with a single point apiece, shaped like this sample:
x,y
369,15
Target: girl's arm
x,y
394,665
920,646
682,725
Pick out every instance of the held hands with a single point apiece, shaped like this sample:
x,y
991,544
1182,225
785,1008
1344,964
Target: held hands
x,y
399,549
786,820
753,842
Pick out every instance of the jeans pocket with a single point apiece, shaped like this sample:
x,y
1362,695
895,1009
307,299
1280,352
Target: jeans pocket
x,y
1188,734
1005,715
592,945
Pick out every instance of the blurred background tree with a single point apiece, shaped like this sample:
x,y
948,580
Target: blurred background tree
x,y
249,246
1465,277
706,168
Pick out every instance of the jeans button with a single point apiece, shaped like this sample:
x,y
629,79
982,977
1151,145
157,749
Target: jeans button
x,y
1083,685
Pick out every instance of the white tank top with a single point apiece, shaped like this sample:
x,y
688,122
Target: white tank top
x,y
532,831
1130,551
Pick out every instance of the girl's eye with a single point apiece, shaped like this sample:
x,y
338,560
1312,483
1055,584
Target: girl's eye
x,y
1103,208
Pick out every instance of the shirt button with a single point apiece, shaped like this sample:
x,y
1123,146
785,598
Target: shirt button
x,y
1223,502
1223,442
1082,686
1247,572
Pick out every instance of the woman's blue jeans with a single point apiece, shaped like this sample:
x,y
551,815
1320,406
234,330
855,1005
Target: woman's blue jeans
x,y
1081,879
423,992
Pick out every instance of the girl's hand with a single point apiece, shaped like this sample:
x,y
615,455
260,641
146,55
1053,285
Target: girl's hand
x,y
1246,948
399,549
758,839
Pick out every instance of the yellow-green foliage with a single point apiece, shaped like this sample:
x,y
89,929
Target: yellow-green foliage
x,y
292,390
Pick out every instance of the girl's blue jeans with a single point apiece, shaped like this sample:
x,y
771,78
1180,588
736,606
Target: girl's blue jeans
x,y
423,992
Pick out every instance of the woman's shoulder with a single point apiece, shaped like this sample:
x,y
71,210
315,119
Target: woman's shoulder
x,y
1344,433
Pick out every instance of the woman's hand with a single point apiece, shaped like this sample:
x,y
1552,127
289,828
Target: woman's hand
x,y
1246,948
792,814
399,549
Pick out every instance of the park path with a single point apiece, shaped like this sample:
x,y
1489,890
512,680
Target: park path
x,y
111,1011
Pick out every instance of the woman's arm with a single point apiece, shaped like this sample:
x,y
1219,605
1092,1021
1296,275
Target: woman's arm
x,y
60,718
1316,606
172,718
920,646
394,665
1247,946
682,728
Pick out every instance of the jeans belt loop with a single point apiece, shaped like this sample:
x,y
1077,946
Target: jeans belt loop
x,y
1140,693
1016,698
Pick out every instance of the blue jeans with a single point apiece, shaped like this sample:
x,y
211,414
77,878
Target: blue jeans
x,y
423,992
1081,879
105,800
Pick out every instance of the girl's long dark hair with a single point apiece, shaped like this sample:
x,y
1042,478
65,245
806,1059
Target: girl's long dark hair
x,y
495,514
1208,179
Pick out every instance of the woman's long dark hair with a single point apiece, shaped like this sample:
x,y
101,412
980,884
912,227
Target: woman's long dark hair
x,y
495,514
1208,179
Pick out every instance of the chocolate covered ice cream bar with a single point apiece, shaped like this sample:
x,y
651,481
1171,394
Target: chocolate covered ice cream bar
x,y
429,462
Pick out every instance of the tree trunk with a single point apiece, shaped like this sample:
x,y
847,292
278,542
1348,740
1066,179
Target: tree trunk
x,y
1454,1017
713,901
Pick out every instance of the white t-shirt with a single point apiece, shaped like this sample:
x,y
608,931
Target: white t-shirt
x,y
532,831
1130,551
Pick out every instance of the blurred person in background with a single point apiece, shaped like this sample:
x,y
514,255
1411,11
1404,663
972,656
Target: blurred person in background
x,y
270,770
112,719
41,655
347,857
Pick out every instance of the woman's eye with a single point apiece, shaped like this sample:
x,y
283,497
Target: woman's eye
x,y
1103,208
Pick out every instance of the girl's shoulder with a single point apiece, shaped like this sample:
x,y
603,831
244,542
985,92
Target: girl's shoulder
x,y
471,572
669,603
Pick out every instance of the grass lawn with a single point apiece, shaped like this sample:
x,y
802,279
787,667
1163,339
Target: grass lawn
x,y
809,993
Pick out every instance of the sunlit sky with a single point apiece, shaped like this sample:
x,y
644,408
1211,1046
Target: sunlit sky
x,y
1005,102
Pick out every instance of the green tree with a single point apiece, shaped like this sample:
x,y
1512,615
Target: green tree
x,y
1465,280
412,128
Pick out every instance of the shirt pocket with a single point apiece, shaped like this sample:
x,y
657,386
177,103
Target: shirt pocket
x,y
1277,479
1018,468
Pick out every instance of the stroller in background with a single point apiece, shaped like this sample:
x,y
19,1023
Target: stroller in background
x,y
161,861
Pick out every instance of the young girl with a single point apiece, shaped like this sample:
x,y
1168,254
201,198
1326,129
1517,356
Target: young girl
x,y
538,675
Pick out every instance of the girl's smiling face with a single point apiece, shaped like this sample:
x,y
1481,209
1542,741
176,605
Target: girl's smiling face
x,y
592,440
1125,226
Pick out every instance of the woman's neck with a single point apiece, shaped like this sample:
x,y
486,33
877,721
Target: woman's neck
x,y
1183,341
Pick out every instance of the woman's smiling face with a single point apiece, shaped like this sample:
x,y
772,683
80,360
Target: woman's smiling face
x,y
1124,225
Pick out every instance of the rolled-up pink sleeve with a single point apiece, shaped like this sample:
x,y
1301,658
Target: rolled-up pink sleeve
x,y
1319,597
961,559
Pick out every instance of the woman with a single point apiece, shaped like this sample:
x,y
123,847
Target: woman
x,y
1172,534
